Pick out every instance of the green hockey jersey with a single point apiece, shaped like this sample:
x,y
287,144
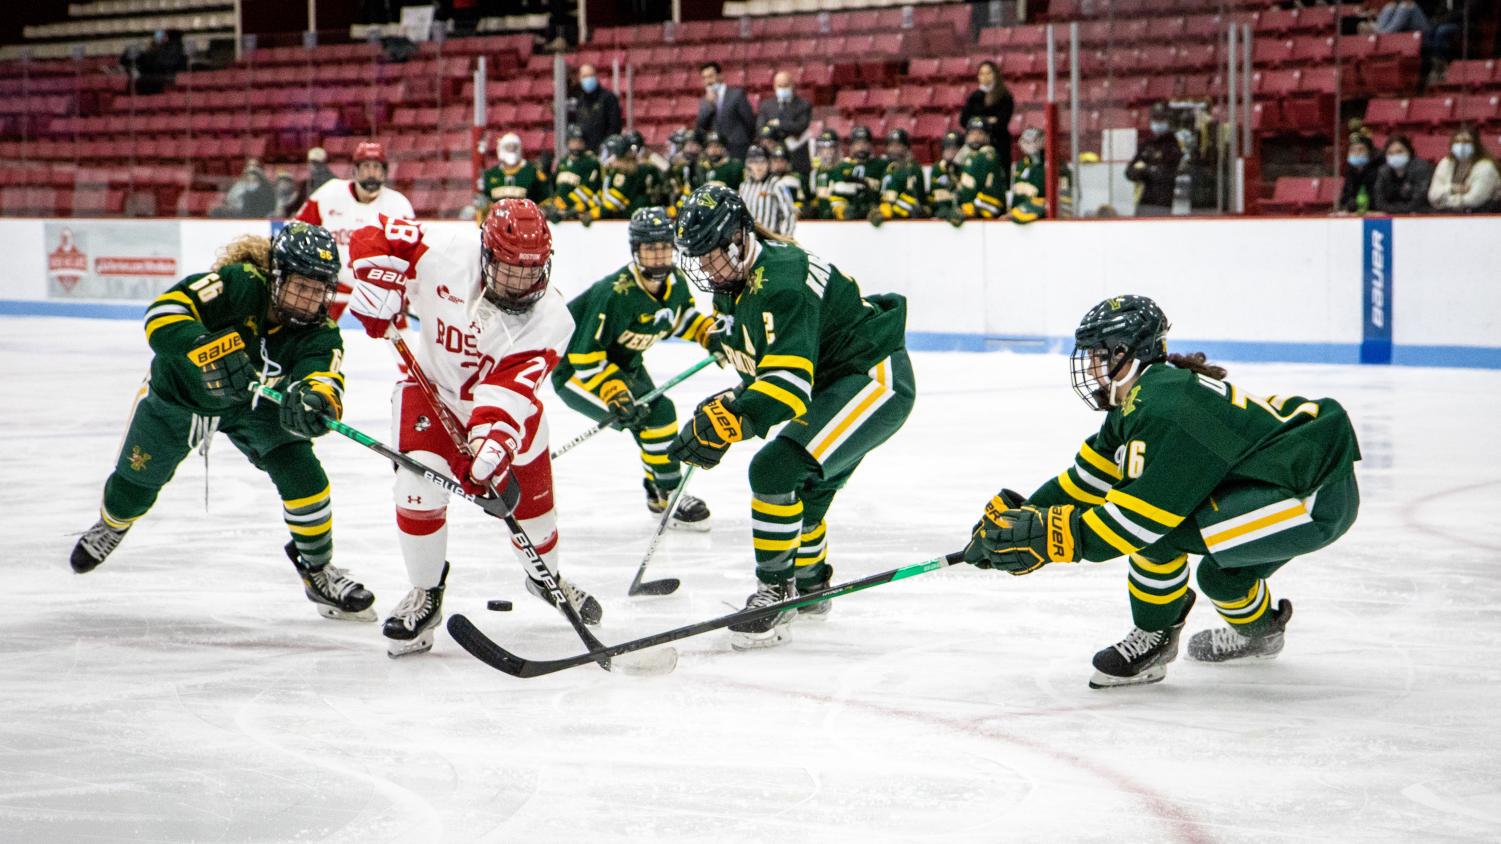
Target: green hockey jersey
x,y
576,184
982,185
855,187
1176,438
235,296
800,323
615,321
629,188
523,180
725,171
902,193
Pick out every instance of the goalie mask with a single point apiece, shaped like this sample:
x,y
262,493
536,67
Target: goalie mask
x,y
304,273
515,256
715,240
1114,342
651,242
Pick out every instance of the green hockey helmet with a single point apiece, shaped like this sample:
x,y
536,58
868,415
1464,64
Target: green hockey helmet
x,y
1115,340
953,139
713,139
304,273
617,146
714,237
899,138
635,140
651,228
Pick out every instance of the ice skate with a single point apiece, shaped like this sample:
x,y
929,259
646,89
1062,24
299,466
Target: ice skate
x,y
94,546
414,622
820,610
588,609
692,513
1226,644
772,630
335,595
1142,657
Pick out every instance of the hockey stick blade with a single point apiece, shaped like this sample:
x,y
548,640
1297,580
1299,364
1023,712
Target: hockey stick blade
x,y
488,652
483,648
665,586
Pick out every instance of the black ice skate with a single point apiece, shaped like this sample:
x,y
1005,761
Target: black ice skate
x,y
692,513
94,546
820,610
1225,644
772,630
588,609
335,595
414,622
1141,657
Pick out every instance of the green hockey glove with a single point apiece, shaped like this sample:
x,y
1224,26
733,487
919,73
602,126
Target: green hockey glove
x,y
223,364
708,435
1021,541
628,414
305,404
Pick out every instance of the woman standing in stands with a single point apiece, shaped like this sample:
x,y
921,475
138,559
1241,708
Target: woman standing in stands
x,y
1465,180
1402,181
992,101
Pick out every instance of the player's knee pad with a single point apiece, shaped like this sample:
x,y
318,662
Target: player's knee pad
x,y
781,466
421,507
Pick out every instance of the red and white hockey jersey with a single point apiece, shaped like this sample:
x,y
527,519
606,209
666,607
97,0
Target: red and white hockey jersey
x,y
334,206
487,364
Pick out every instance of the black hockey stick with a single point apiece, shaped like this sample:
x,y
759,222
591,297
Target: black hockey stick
x,y
499,507
667,585
661,662
646,399
487,651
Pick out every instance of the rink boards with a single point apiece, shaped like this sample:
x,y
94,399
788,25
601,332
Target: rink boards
x,y
1416,291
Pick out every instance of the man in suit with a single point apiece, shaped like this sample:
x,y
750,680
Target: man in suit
x,y
790,114
726,110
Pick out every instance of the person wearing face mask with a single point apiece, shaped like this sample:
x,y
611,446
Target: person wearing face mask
x,y
992,101
513,176
616,320
1155,167
982,184
596,109
790,114
943,179
855,184
1029,186
726,111
1402,180
1465,180
1363,164
343,206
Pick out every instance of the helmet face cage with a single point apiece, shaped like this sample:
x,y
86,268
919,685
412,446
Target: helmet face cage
x,y
1093,369
301,299
721,269
658,260
511,288
1112,343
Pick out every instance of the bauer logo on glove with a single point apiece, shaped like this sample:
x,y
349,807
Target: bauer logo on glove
x,y
216,347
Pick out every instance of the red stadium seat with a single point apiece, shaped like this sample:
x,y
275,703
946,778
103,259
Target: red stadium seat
x,y
1431,147
1386,113
1478,109
1430,112
1472,74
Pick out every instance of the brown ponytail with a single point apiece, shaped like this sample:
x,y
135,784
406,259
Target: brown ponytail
x,y
764,233
1198,364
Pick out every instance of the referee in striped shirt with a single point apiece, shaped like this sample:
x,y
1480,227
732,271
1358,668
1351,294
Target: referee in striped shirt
x,y
769,203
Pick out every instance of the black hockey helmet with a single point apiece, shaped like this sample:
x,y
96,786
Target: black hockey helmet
x,y
860,133
713,138
899,137
953,139
757,153
771,133
617,146
714,228
308,252
651,225
779,153
828,136
634,139
1114,341
976,122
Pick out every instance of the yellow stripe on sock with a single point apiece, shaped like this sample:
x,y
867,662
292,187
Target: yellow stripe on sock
x,y
663,432
783,510
817,533
311,530
823,554
1247,619
655,459
1156,599
1169,567
1238,603
299,503
774,544
117,524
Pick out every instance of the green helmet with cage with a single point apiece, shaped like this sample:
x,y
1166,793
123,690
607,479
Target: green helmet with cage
x,y
304,273
715,239
651,237
1114,342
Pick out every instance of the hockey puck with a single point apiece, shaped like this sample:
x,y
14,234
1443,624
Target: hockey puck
x,y
499,605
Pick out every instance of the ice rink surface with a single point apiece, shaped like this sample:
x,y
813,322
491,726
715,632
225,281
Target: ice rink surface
x,y
186,691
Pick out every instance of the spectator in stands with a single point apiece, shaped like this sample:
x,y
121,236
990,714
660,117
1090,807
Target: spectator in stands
x,y
1401,16
288,197
766,199
1402,181
1155,167
596,109
317,170
1465,181
993,102
152,69
790,114
250,196
1363,164
726,110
